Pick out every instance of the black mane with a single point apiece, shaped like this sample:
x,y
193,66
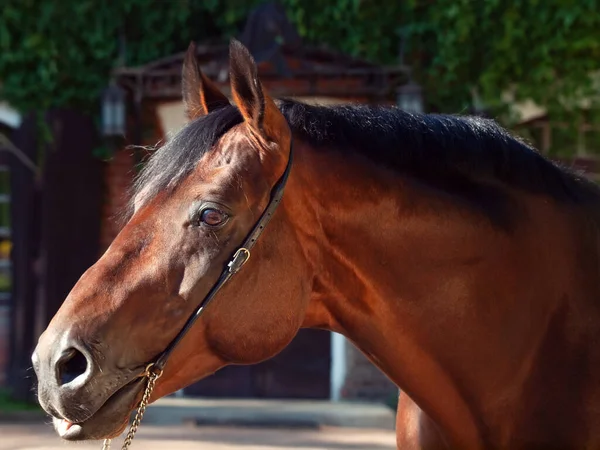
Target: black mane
x,y
466,155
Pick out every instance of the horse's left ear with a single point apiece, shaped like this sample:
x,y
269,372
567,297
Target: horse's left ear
x,y
258,109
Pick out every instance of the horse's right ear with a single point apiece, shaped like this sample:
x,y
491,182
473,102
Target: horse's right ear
x,y
200,94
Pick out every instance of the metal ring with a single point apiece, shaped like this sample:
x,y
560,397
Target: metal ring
x,y
150,370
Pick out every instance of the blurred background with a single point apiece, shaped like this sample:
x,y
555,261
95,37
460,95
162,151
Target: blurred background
x,y
84,84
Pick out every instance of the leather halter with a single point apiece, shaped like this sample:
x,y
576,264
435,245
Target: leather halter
x,y
239,258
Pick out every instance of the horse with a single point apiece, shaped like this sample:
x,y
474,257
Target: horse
x,y
462,262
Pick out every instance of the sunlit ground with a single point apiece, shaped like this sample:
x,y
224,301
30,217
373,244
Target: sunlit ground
x,y
40,437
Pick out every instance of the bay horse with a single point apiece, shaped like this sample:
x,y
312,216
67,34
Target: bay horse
x,y
463,263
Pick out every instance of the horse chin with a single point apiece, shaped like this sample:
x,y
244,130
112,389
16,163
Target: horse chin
x,y
108,422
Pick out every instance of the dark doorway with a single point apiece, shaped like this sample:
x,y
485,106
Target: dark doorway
x,y
301,371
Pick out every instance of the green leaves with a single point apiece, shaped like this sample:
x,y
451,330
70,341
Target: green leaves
x,y
61,53
58,54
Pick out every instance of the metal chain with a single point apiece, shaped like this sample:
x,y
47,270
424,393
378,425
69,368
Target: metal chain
x,y
152,377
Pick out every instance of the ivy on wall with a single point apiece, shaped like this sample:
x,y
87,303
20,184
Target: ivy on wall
x,y
61,53
543,50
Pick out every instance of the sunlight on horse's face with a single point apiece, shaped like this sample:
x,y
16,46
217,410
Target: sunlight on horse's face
x,y
127,308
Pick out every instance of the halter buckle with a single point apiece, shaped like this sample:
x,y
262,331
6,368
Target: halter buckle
x,y
239,259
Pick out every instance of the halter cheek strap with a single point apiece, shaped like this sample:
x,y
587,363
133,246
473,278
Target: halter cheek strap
x,y
239,258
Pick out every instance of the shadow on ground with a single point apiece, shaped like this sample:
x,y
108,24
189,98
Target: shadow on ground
x,y
42,437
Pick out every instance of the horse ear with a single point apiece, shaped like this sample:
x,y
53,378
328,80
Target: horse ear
x,y
200,94
256,106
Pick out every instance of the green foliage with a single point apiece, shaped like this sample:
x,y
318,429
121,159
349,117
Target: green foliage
x,y
8,404
542,50
545,50
5,282
361,28
61,53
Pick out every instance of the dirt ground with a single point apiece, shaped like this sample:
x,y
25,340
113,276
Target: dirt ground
x,y
41,437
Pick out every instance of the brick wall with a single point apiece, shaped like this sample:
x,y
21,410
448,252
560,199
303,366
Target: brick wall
x,y
120,173
119,176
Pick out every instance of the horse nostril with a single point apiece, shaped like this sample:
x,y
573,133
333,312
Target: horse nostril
x,y
71,365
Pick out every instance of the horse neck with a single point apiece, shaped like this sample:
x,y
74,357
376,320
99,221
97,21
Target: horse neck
x,y
425,290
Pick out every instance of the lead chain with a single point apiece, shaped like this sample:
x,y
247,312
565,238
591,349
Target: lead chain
x,y
152,377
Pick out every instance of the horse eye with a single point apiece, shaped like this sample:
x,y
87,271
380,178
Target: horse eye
x,y
212,217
